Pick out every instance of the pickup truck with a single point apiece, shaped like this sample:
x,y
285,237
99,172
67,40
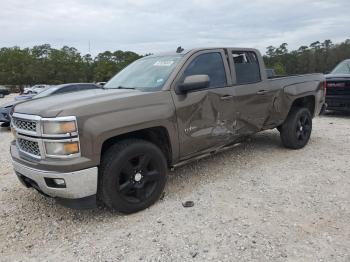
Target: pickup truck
x,y
114,146
338,87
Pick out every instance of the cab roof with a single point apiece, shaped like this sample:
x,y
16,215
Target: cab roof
x,y
194,50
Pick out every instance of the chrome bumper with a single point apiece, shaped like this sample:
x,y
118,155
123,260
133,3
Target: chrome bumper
x,y
79,184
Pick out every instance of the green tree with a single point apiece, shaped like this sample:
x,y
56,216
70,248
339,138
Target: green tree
x,y
317,57
279,68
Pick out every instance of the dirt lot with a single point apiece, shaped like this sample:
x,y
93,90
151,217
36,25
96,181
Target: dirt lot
x,y
257,202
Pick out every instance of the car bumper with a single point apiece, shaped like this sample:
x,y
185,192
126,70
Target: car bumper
x,y
338,102
77,185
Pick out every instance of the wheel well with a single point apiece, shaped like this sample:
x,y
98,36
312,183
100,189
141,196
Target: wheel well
x,y
156,135
307,101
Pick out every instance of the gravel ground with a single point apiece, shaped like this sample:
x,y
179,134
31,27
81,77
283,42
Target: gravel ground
x,y
256,202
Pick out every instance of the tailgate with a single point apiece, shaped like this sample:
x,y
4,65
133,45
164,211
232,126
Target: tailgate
x,y
338,87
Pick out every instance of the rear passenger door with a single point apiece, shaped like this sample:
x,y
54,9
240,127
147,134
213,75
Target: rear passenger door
x,y
252,94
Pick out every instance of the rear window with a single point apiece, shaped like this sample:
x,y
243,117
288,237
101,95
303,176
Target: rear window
x,y
342,68
246,66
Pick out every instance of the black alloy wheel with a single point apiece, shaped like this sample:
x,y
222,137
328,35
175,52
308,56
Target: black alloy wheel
x,y
132,175
138,178
303,129
296,130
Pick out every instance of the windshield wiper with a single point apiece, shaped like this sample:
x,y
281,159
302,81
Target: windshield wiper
x,y
124,87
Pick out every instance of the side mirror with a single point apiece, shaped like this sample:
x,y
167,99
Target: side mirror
x,y
192,83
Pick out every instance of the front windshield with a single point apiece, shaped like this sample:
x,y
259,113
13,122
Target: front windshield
x,y
342,68
46,92
146,74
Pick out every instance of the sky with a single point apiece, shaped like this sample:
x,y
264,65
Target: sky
x,y
152,26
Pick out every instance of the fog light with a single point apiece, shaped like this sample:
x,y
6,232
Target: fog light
x,y
59,181
55,182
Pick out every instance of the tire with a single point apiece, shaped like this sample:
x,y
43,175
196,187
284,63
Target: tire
x,y
5,124
296,130
132,175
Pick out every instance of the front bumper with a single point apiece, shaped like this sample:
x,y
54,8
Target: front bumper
x,y
78,184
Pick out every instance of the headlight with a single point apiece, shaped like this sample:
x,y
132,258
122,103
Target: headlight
x,y
59,126
62,148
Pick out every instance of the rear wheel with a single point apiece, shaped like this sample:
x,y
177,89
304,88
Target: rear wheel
x,y
296,130
132,175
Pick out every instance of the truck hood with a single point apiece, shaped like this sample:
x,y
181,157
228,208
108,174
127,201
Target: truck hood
x,y
73,103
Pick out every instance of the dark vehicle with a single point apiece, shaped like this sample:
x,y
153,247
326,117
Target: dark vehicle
x,y
338,87
55,90
4,91
114,146
270,73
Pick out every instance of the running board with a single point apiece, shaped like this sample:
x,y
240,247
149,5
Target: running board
x,y
221,149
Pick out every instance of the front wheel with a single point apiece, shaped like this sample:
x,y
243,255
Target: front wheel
x,y
5,124
132,175
296,130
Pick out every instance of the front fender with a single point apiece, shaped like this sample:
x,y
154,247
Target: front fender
x,y
155,111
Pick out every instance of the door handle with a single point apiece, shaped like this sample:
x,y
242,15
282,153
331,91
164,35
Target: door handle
x,y
261,92
226,97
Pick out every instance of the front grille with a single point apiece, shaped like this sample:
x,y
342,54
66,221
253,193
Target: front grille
x,y
27,146
27,125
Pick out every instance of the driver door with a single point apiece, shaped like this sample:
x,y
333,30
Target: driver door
x,y
205,116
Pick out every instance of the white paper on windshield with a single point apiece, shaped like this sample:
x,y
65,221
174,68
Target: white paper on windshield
x,y
163,63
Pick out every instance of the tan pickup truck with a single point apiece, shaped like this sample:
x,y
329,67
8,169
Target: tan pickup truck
x,y
114,146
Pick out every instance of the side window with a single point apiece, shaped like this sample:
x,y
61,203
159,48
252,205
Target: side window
x,y
87,87
247,67
66,89
210,64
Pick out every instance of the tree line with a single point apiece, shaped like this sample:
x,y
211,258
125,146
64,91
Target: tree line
x,y
47,65
319,57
